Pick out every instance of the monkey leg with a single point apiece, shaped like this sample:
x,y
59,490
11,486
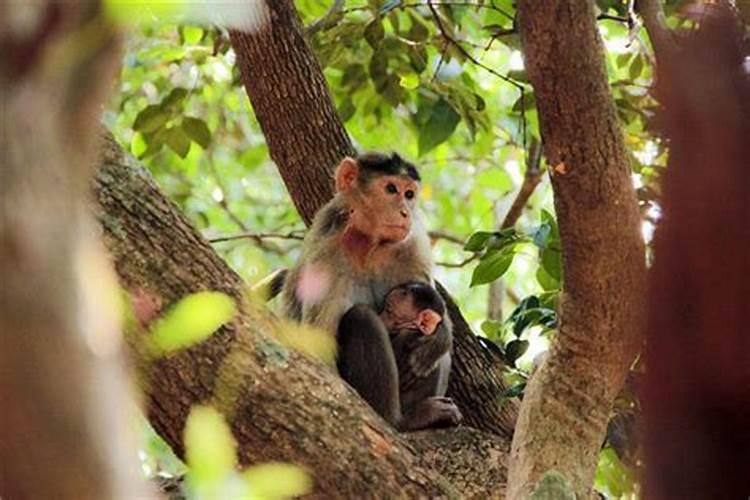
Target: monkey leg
x,y
367,363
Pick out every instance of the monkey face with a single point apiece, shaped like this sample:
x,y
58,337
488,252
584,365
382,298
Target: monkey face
x,y
391,201
382,201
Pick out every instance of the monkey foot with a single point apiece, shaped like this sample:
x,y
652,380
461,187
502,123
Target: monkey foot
x,y
436,411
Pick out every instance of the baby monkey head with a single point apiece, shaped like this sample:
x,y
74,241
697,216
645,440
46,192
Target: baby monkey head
x,y
413,306
381,192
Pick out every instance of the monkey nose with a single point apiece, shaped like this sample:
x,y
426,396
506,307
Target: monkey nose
x,y
404,214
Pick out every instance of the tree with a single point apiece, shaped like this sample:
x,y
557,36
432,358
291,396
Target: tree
x,y
391,66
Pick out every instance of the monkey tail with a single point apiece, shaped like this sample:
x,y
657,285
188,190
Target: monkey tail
x,y
270,286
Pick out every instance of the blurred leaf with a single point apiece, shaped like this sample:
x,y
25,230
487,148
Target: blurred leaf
x,y
192,320
374,33
210,448
192,34
150,119
178,141
440,125
514,350
309,340
277,481
197,130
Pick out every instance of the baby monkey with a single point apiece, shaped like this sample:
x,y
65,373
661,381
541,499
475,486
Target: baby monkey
x,y
412,313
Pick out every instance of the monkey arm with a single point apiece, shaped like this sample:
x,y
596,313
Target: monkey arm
x,y
430,348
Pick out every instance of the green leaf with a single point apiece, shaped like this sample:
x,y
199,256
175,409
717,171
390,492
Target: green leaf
x,y
477,241
151,118
441,124
636,67
515,390
178,141
492,266
138,145
191,320
192,34
173,101
274,481
491,328
197,130
209,446
514,350
374,33
409,81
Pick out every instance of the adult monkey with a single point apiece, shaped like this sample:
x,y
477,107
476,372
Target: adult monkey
x,y
368,239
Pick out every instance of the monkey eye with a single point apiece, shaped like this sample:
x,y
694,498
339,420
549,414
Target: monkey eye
x,y
391,188
409,194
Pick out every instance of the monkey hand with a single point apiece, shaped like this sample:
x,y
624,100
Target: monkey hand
x,y
428,351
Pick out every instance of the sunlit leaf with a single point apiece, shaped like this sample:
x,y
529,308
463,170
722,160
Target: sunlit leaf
x,y
277,481
209,446
309,340
249,15
191,320
192,34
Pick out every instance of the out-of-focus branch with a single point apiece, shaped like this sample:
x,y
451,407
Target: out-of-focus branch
x,y
653,20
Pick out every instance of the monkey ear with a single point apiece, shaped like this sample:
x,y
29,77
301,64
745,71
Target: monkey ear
x,y
346,174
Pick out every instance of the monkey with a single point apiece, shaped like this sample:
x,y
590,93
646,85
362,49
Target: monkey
x,y
368,239
411,313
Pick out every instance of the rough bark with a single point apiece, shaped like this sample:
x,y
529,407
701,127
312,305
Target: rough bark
x,y
293,105
307,139
64,401
567,403
281,405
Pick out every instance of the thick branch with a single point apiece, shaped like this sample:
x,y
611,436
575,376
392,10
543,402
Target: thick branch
x,y
567,403
304,134
282,406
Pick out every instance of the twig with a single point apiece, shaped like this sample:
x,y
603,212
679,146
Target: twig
x,y
259,237
463,263
442,235
328,20
444,33
223,202
531,180
416,5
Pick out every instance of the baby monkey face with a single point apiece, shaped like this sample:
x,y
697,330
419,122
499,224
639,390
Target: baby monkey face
x,y
413,306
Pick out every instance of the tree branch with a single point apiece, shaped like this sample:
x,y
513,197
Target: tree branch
x,y
281,405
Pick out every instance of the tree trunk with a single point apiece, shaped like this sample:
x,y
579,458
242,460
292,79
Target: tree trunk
x,y
307,139
281,405
291,100
64,401
567,403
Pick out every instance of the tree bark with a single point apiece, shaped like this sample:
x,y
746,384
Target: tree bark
x,y
307,139
64,399
567,403
280,405
293,105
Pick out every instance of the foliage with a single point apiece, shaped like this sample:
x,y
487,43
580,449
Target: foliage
x,y
191,320
443,85
212,462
